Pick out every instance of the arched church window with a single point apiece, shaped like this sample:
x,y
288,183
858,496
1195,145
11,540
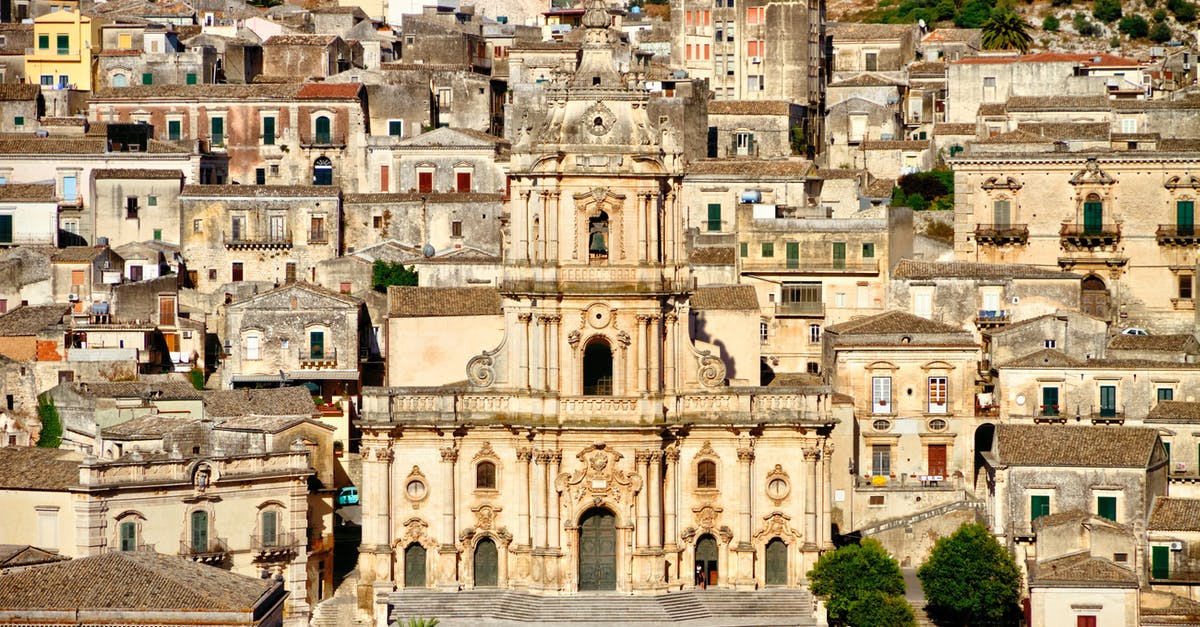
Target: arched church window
x,y
485,476
598,237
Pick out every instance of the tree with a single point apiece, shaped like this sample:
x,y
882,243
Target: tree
x,y
851,574
875,609
1082,25
1006,30
970,579
52,429
1184,10
1107,11
384,274
1160,33
1134,26
1050,24
973,14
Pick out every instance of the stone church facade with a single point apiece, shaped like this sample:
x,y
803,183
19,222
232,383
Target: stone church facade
x,y
596,443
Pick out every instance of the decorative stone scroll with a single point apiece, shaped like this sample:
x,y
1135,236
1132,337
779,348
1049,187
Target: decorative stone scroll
x,y
598,477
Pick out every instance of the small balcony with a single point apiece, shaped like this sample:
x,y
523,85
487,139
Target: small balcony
x,y
1090,235
281,547
318,236
1002,234
1177,235
802,309
1108,416
1049,414
990,318
319,359
214,551
246,241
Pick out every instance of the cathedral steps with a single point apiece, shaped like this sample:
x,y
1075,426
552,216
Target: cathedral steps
x,y
690,608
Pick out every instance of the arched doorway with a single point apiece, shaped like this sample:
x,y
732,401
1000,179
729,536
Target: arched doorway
x,y
984,434
776,563
414,566
598,550
597,368
1094,300
322,171
486,564
706,561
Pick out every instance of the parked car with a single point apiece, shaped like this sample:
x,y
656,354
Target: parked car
x,y
347,496
1135,331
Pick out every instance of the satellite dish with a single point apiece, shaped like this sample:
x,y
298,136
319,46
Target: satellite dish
x,y
921,23
428,250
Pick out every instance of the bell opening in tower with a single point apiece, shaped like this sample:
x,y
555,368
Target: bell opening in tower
x,y
597,368
598,237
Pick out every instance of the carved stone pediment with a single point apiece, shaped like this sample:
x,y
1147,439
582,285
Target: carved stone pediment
x,y
777,524
598,477
1091,174
1006,182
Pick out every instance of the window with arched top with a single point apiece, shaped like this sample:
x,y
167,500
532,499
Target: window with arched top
x,y
120,80
706,474
485,475
598,237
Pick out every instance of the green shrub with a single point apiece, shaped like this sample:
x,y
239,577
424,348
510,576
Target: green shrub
x,y
1083,26
52,428
197,378
1107,11
1050,24
1160,33
384,274
1134,26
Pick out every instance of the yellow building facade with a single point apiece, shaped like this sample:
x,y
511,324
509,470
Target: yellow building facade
x,y
61,56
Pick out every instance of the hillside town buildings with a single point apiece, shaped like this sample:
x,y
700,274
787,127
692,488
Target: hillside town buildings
x,y
354,312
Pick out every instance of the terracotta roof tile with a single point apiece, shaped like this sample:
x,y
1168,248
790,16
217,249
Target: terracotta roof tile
x,y
1082,58
29,320
867,79
165,390
1082,569
880,188
927,68
991,108
953,34
34,468
891,322
855,30
1175,411
422,302
300,40
27,191
750,107
88,145
286,401
135,173
1058,103
712,256
71,121
1183,342
751,168
895,144
148,427
132,581
725,298
18,91
259,191
76,254
912,269
954,128
1174,514
1084,447
330,91
1045,358
204,91
376,198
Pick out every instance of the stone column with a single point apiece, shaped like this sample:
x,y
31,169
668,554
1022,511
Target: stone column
x,y
671,502
656,496
643,226
552,226
654,331
375,549
555,540
642,460
543,488
523,246
826,482
525,352
524,533
811,455
640,340
552,347
669,359
745,457
449,458
653,222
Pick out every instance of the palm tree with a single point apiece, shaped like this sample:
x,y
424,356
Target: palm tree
x,y
1006,30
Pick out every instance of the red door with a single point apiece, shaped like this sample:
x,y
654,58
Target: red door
x,y
425,182
462,182
937,460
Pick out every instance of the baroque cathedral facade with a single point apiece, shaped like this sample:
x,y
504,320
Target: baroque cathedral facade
x,y
598,443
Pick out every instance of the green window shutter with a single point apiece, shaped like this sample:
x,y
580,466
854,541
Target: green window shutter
x,y
191,78
152,201
1166,394
200,531
1106,507
322,130
269,131
218,131
1160,562
1167,450
839,255
147,78
1093,217
174,130
19,120
1039,505
1001,214
395,128
714,217
868,250
43,42
63,44
6,231
1108,400
744,249
316,344
129,536
793,255
269,521
1185,217
768,249
1049,401
158,235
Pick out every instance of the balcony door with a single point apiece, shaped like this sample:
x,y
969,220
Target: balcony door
x,y
1185,217
1093,215
199,531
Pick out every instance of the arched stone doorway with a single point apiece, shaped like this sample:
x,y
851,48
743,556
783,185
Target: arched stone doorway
x,y
598,550
322,171
984,434
597,368
776,562
486,564
707,566
1094,300
414,566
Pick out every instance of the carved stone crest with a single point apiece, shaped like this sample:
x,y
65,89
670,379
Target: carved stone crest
x,y
598,119
598,477
1092,174
485,516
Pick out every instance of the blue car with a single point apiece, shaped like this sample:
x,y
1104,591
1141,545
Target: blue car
x,y
347,496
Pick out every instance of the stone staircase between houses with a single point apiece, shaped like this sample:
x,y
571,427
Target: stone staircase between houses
x,y
341,609
911,519
693,608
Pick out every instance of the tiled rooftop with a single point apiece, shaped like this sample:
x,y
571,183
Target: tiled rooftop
x,y
1174,514
891,322
725,297
749,107
1082,447
29,320
27,192
1083,569
418,302
286,401
912,269
34,468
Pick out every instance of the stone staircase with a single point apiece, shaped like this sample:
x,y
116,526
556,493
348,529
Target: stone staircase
x,y
341,609
711,608
911,519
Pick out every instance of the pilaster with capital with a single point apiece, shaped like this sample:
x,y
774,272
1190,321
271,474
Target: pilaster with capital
x,y
524,533
526,349
656,504
671,500
543,458
745,456
641,459
449,459
641,339
826,482
671,319
812,455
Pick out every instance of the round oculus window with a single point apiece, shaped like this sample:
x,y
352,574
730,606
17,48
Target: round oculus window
x,y
777,488
415,489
